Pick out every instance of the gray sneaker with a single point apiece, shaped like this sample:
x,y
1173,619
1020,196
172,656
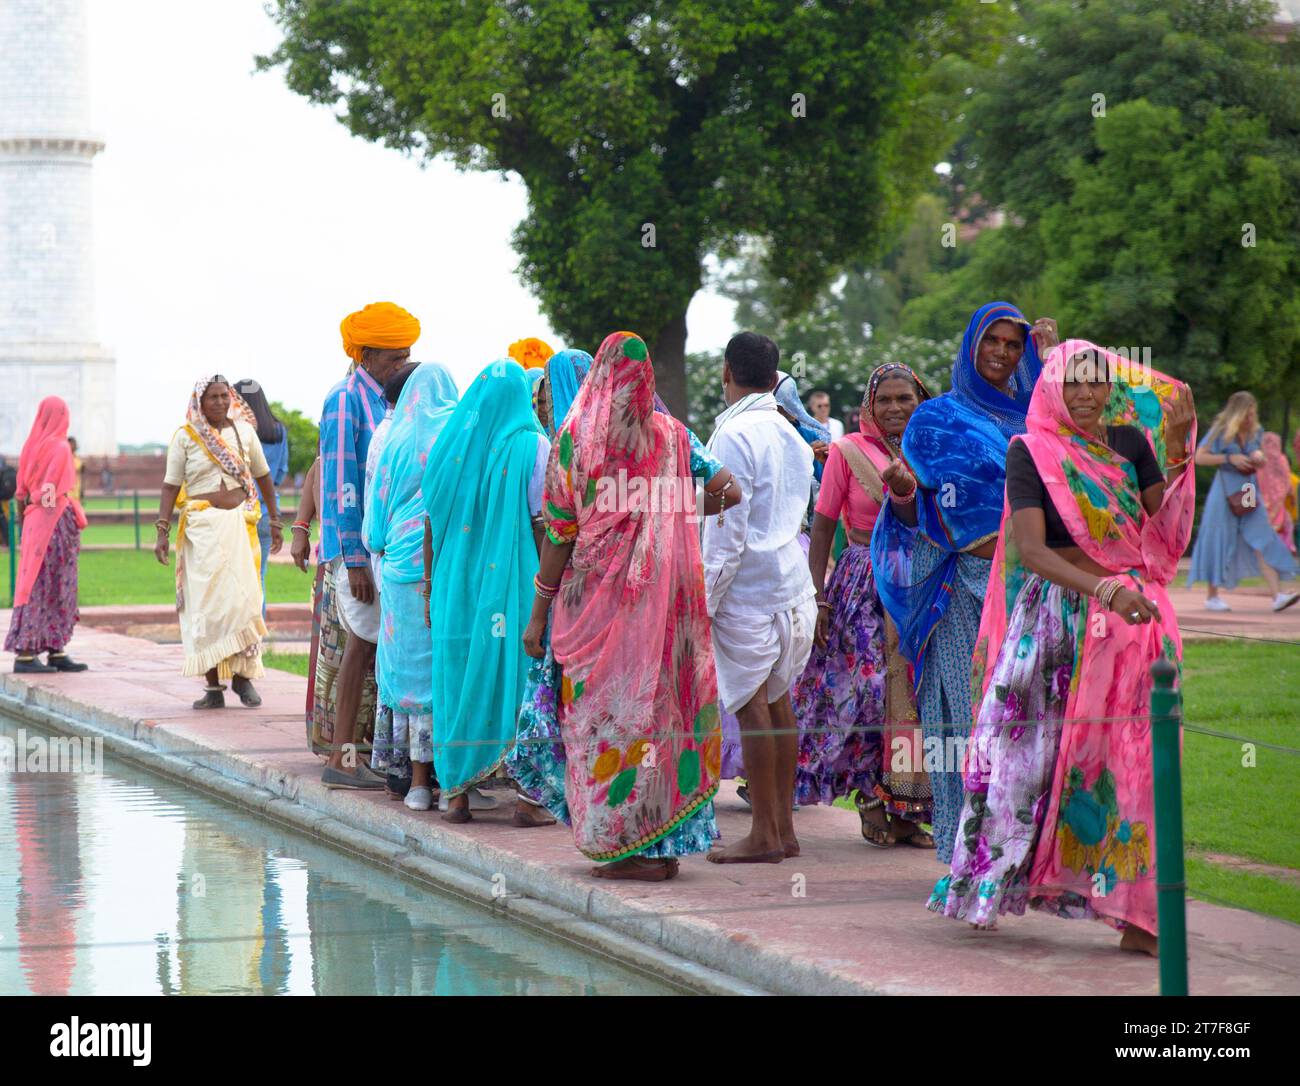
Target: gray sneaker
x,y
360,777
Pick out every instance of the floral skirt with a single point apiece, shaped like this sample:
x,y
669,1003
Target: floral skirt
x,y
839,701
537,763
1011,759
44,623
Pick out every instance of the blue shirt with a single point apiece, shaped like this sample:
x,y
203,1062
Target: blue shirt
x,y
277,457
353,408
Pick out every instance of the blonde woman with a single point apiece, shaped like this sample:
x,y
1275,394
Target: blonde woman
x,y
1235,537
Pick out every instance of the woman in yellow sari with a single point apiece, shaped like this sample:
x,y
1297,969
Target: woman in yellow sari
x,y
215,471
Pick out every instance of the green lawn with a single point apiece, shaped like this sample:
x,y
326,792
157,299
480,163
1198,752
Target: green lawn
x,y
101,534
135,577
295,662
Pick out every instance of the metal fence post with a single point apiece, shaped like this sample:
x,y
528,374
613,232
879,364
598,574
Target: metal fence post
x,y
1171,886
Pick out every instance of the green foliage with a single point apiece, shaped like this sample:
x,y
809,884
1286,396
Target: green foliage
x,y
304,438
808,125
1128,214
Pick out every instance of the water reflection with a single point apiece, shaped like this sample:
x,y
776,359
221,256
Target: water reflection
x,y
125,883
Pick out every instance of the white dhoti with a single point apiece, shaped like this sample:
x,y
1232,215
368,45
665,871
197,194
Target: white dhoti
x,y
358,619
219,591
756,652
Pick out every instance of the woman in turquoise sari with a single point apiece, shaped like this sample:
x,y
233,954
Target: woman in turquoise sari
x,y
536,764
394,532
482,485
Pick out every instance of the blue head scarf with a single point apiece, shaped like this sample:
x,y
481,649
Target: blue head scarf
x,y
787,395
1006,410
956,444
564,373
394,519
475,491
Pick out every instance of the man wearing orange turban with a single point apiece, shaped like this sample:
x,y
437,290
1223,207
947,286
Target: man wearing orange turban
x,y
378,339
381,325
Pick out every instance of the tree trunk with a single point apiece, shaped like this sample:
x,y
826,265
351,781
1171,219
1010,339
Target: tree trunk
x,y
670,365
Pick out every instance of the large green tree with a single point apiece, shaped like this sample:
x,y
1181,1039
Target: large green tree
x,y
650,133
1148,155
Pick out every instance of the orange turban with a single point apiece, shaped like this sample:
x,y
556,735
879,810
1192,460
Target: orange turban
x,y
380,324
530,353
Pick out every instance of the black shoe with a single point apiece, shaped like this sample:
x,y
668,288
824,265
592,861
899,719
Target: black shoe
x,y
30,665
61,661
398,786
244,689
213,698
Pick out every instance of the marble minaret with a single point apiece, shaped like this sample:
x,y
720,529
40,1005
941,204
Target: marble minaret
x,y
47,254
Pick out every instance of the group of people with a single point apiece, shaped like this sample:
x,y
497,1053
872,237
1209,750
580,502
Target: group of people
x,y
549,581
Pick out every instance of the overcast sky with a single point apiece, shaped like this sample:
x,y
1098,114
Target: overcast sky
x,y
237,224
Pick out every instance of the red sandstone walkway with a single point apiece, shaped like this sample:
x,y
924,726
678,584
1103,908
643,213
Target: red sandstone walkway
x,y
861,926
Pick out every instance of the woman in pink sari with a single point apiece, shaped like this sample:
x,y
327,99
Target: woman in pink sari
x,y
1275,487
621,561
1059,810
45,598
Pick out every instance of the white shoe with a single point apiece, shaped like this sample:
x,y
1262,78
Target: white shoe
x,y
419,799
477,801
1217,603
1283,600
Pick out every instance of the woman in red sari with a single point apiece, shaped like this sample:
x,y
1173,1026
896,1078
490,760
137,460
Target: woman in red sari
x,y
45,601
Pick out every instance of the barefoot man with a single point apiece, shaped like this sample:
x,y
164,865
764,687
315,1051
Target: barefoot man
x,y
760,594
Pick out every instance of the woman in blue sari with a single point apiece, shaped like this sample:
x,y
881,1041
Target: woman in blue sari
x,y
482,485
932,550
394,532
537,762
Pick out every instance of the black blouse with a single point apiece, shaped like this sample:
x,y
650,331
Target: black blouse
x,y
1025,489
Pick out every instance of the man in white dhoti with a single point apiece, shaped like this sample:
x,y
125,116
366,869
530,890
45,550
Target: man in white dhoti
x,y
760,594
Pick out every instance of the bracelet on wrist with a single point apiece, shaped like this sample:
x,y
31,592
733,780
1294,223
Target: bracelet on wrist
x,y
903,499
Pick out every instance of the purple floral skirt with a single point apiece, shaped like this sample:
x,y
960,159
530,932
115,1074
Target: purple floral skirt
x,y
1010,766
44,623
839,700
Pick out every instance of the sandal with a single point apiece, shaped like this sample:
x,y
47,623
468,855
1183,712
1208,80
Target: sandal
x,y
875,836
919,839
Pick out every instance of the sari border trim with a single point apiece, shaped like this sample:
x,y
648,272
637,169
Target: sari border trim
x,y
483,775
649,839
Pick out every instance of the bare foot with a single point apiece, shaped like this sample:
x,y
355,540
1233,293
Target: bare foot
x,y
748,850
457,812
527,815
1138,941
790,846
637,868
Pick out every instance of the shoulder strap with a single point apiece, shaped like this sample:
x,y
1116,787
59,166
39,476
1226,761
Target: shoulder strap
x,y
863,469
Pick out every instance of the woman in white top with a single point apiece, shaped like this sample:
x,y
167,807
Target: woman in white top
x,y
216,468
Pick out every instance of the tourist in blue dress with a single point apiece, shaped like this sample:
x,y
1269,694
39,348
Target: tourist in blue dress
x,y
1230,545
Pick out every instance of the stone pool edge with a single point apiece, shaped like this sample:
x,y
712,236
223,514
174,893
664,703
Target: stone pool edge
x,y
685,951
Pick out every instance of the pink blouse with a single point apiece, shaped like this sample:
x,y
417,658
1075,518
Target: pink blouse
x,y
842,495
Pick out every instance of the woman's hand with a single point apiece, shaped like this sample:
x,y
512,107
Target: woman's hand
x,y
1242,463
1180,414
533,638
1134,608
822,631
900,481
300,550
277,539
160,548
1045,335
820,450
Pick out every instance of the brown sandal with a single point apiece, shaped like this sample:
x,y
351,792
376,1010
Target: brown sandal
x,y
875,836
